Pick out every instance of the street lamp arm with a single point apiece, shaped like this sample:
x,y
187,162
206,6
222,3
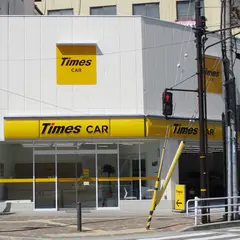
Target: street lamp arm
x,y
220,41
223,29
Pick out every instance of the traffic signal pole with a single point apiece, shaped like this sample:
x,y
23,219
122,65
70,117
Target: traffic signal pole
x,y
202,155
231,113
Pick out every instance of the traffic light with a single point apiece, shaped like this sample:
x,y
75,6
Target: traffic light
x,y
167,102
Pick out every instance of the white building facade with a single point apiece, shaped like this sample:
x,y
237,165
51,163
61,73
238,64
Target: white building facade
x,y
80,110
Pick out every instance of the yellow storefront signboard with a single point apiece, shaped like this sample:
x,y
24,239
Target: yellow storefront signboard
x,y
181,129
106,128
213,71
76,64
21,129
180,197
134,127
73,128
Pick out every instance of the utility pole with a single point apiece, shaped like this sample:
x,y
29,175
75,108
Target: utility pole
x,y
202,155
231,114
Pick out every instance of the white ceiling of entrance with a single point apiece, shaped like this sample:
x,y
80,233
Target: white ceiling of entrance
x,y
193,147
73,144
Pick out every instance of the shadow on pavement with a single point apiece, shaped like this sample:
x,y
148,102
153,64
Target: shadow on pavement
x,y
30,228
115,220
6,213
169,226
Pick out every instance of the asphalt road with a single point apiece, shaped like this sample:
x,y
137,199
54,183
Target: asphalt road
x,y
226,234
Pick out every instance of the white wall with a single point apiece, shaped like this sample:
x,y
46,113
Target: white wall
x,y
27,66
164,47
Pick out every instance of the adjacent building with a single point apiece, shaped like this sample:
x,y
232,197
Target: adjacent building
x,y
19,7
182,11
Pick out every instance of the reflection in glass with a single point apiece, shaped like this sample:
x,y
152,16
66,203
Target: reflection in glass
x,y
150,155
45,191
107,180
76,180
86,187
129,171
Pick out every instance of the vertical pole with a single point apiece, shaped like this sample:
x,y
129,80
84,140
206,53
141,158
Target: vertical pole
x,y
232,105
224,22
34,178
140,170
224,164
79,216
229,172
196,211
206,126
202,154
56,179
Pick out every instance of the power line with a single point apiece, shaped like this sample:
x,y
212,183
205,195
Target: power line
x,y
183,81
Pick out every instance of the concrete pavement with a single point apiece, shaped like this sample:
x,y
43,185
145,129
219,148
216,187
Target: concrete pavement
x,y
112,224
59,225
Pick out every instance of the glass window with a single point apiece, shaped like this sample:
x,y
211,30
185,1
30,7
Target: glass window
x,y
61,12
129,171
106,10
150,156
186,9
148,10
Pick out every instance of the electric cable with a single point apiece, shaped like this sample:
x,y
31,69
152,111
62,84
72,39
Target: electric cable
x,y
37,100
183,81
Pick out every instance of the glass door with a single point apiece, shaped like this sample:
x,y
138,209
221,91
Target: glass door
x,y
108,181
76,180
86,180
45,183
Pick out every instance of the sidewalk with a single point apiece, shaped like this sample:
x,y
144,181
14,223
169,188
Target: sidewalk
x,y
95,223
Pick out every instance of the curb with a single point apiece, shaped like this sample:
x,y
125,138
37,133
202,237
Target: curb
x,y
212,226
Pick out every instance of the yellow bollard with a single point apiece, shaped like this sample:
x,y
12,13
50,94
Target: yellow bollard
x,y
170,172
157,183
155,201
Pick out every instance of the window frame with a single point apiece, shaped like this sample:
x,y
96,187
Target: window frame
x,y
186,2
102,7
61,9
145,4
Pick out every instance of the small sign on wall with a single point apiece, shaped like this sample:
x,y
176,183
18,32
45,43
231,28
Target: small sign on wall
x,y
76,64
86,172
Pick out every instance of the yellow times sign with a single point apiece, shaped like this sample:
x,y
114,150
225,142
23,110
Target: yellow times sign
x,y
213,73
180,197
74,128
76,65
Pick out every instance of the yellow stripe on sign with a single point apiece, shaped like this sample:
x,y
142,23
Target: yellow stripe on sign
x,y
73,180
127,127
21,129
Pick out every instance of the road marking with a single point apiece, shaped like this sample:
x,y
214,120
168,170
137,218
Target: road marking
x,y
179,236
217,237
234,230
